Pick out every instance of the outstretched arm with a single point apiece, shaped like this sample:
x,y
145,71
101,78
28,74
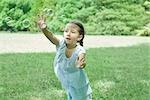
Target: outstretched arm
x,y
48,34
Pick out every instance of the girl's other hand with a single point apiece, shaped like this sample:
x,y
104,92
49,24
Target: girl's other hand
x,y
81,61
41,22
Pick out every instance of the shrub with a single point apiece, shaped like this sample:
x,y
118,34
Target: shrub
x,y
107,17
12,12
147,5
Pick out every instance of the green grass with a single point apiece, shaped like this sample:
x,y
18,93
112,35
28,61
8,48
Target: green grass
x,y
115,74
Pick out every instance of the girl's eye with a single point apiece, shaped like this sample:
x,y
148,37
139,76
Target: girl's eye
x,y
65,30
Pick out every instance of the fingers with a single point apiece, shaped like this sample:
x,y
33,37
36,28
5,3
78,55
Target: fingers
x,y
41,22
42,17
81,62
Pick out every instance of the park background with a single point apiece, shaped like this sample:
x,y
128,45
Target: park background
x,y
101,17
115,73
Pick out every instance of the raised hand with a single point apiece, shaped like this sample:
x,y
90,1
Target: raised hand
x,y
41,22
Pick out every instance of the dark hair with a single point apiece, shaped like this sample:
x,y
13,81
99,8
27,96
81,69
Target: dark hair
x,y
81,31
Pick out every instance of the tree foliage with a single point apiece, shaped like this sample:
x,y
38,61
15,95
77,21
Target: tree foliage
x,y
105,17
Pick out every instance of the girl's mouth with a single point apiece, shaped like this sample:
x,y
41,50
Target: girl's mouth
x,y
68,39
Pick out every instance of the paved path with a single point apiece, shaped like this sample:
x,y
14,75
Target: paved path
x,y
22,43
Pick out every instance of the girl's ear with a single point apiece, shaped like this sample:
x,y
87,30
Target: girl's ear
x,y
80,37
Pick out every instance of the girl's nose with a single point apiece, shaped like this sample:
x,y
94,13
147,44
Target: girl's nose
x,y
68,33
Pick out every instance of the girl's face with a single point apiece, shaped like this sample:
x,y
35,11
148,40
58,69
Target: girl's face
x,y
71,34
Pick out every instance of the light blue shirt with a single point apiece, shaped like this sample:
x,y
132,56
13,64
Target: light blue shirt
x,y
66,68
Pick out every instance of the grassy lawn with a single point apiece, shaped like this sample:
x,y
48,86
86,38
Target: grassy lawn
x,y
115,74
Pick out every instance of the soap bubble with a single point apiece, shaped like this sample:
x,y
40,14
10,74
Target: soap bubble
x,y
48,12
26,23
7,19
11,23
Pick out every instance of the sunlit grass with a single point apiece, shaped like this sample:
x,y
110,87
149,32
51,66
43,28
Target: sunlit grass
x,y
114,73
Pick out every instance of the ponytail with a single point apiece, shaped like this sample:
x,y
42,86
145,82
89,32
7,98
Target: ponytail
x,y
81,41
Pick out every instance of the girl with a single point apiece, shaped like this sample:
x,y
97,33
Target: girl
x,y
70,60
